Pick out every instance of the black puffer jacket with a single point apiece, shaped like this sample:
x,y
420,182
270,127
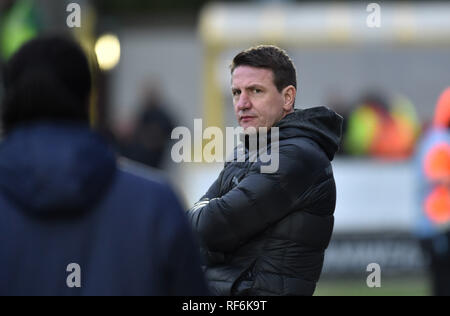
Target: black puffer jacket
x,y
266,234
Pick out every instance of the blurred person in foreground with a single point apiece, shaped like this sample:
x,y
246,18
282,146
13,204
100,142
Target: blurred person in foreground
x,y
433,228
266,233
64,200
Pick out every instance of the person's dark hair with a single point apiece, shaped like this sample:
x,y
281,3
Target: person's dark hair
x,y
269,57
47,79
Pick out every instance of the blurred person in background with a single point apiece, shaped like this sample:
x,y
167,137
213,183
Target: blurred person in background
x,y
433,229
64,199
266,233
382,128
19,22
151,137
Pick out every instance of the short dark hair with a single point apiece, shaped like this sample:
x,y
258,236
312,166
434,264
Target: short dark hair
x,y
47,79
270,57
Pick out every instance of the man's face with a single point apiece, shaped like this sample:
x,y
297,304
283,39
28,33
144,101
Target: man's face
x,y
257,101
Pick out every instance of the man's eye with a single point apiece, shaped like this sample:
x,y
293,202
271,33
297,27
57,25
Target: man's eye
x,y
257,91
235,93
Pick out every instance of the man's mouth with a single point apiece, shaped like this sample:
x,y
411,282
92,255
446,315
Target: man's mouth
x,y
246,118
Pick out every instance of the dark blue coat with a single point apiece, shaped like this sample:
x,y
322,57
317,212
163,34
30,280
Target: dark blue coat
x,y
63,200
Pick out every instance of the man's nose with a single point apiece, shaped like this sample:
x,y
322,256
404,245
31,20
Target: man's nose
x,y
244,102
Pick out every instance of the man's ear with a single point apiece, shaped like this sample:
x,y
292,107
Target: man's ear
x,y
289,94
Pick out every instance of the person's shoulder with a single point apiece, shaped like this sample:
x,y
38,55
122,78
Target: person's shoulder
x,y
302,149
135,171
145,182
431,138
148,194
438,135
300,144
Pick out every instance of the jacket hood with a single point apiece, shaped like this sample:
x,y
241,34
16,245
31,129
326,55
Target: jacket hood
x,y
55,169
320,124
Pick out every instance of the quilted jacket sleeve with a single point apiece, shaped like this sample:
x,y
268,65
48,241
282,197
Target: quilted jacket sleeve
x,y
257,202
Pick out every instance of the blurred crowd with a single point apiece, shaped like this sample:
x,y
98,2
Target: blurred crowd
x,y
379,127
